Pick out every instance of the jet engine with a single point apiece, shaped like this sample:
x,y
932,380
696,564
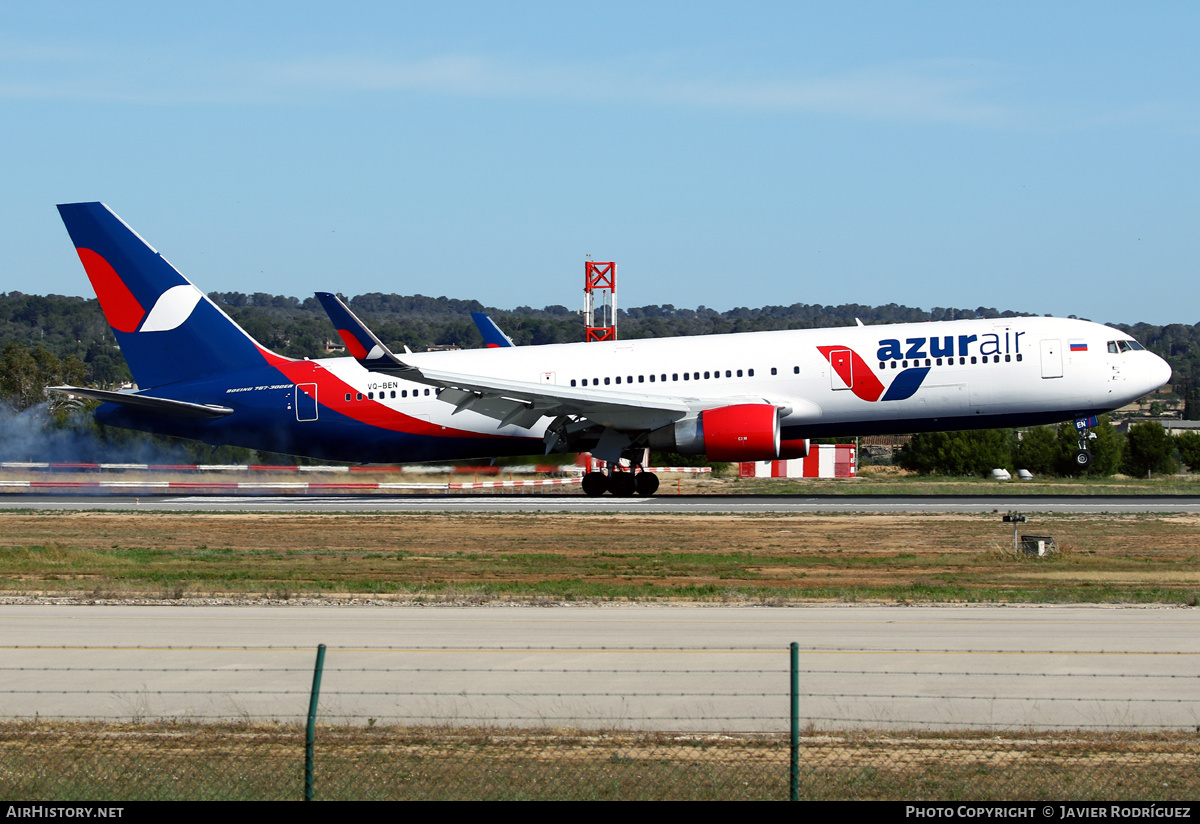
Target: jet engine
x,y
744,432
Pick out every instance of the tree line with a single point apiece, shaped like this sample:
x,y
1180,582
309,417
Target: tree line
x,y
1146,449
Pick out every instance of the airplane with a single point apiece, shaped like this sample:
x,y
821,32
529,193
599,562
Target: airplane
x,y
738,397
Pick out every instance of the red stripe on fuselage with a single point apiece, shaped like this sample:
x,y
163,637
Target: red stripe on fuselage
x,y
333,390
120,307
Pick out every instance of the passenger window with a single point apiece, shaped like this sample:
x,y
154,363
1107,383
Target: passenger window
x,y
795,370
642,378
347,396
358,396
774,371
729,373
972,359
618,379
393,393
706,376
1008,358
572,381
750,373
427,393
1019,357
686,375
739,373
607,381
674,376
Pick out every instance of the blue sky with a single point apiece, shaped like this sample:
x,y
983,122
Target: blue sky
x,y
1039,157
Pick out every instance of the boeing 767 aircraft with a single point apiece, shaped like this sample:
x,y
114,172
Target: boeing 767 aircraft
x,y
743,397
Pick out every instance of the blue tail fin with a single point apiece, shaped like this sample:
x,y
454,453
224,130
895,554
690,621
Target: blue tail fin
x,y
493,338
168,330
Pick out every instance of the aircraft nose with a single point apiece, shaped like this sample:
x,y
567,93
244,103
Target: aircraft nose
x,y
1158,374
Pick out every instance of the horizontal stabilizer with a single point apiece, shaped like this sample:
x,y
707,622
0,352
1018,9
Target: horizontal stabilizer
x,y
148,403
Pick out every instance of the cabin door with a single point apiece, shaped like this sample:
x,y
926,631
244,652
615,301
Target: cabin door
x,y
1052,363
306,401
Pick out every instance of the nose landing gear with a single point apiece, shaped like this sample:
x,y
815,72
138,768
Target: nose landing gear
x,y
1083,427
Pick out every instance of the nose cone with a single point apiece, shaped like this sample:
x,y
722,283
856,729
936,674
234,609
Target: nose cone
x,y
1157,372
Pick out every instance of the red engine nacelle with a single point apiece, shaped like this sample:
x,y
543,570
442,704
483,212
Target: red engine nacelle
x,y
746,432
793,449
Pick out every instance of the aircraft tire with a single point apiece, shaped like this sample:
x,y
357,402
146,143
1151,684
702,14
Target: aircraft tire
x,y
622,484
595,484
1083,459
646,484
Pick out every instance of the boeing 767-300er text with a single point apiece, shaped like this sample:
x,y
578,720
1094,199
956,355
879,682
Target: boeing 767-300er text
x,y
744,397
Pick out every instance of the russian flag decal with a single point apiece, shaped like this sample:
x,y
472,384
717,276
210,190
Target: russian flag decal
x,y
1078,346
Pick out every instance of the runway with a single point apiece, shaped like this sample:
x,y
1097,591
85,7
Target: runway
x,y
679,504
700,668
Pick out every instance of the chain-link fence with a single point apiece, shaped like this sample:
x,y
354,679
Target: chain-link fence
x,y
172,723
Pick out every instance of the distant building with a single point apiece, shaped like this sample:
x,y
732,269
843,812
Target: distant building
x,y
1174,426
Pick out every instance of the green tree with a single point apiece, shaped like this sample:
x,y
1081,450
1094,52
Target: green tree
x,y
21,384
958,453
1188,445
1149,448
1040,451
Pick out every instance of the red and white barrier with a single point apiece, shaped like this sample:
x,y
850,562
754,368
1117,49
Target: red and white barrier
x,y
823,461
268,486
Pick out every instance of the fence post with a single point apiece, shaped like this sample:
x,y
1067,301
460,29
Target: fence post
x,y
311,731
795,772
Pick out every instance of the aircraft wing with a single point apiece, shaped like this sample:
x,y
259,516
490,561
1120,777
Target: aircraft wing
x,y
509,402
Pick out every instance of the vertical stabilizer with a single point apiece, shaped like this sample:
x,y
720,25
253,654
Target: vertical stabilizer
x,y
168,330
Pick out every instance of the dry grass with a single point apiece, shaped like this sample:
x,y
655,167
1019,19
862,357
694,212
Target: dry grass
x,y
179,760
763,558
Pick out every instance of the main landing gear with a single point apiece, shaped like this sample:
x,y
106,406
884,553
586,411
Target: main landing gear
x,y
622,484
1083,427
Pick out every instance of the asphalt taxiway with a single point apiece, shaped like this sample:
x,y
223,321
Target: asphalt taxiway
x,y
629,666
679,504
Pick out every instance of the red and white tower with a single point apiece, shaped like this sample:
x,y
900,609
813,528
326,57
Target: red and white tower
x,y
600,301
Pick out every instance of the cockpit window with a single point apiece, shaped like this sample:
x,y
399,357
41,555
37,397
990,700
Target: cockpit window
x,y
1116,346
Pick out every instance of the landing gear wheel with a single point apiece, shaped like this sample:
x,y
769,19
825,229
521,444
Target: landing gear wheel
x,y
595,484
646,484
621,484
1083,459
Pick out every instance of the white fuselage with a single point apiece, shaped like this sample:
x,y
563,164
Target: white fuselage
x,y
967,374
